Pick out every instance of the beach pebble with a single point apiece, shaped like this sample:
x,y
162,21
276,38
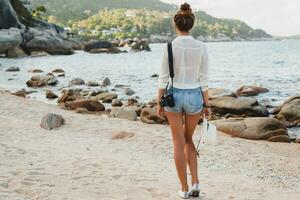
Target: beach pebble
x,y
129,91
155,76
77,81
69,95
116,103
13,69
52,121
40,81
121,86
50,95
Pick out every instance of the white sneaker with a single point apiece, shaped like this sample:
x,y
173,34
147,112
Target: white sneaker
x,y
195,191
183,195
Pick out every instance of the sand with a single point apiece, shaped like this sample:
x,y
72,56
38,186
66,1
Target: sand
x,y
80,160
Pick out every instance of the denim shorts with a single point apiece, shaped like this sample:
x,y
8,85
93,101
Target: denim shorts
x,y
189,101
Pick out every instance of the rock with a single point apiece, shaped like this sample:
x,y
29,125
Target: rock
x,y
77,81
122,135
22,93
9,39
46,41
117,112
90,105
58,71
280,138
8,17
116,103
52,121
250,91
140,45
289,111
149,116
69,95
104,50
106,95
254,128
35,71
82,111
15,52
155,38
105,82
238,106
97,45
13,69
214,93
129,91
98,91
131,102
41,81
61,75
92,84
155,76
50,95
297,140
121,86
38,53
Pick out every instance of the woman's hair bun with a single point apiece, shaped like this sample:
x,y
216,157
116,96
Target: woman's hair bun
x,y
185,9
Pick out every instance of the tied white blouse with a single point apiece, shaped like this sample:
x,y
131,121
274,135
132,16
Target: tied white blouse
x,y
190,64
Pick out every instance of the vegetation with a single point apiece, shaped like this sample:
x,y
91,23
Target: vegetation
x,y
110,19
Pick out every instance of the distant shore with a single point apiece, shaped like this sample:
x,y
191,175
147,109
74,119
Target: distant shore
x,y
80,160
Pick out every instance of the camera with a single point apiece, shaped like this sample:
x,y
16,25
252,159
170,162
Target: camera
x,y
167,100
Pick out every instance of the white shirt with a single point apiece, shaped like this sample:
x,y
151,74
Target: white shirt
x,y
190,64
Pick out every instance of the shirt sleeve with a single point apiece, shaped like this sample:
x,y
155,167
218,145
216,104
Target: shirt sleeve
x,y
203,74
164,70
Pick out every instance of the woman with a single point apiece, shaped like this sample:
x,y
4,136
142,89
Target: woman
x,y
190,68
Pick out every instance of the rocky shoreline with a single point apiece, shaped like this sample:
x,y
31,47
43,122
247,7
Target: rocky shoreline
x,y
237,113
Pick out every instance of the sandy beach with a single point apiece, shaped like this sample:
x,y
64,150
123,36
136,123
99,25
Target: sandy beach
x,y
80,160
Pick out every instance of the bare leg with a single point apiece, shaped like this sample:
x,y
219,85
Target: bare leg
x,y
175,121
191,122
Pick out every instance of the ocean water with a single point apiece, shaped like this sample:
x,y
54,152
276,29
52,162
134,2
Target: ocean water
x,y
271,64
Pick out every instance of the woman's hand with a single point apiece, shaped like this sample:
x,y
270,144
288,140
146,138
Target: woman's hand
x,y
160,112
207,112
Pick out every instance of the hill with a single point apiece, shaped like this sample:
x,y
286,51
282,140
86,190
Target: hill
x,y
108,19
65,10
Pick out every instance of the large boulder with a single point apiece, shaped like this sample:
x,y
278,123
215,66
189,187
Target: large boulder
x,y
106,96
8,16
97,45
52,121
289,111
238,106
9,39
41,81
106,50
250,90
37,40
149,116
117,112
254,128
214,93
69,95
90,105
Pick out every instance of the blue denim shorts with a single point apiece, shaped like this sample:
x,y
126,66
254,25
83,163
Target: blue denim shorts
x,y
189,101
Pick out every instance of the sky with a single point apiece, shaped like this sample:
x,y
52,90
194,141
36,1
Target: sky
x,y
277,17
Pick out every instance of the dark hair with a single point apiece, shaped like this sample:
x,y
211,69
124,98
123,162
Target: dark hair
x,y
184,18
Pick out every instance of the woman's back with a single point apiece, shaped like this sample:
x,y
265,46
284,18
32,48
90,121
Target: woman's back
x,y
190,64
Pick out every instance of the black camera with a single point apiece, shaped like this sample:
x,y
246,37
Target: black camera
x,y
167,100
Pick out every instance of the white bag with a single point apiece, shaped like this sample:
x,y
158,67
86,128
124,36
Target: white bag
x,y
209,133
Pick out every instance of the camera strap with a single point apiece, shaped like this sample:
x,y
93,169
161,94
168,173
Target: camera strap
x,y
171,64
